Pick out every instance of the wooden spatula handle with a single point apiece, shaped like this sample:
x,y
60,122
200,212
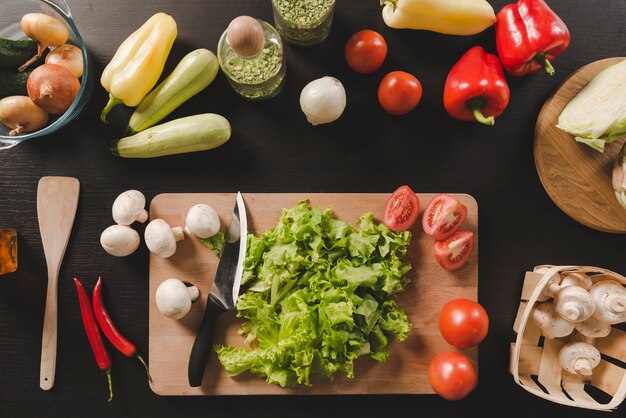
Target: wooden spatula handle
x,y
49,338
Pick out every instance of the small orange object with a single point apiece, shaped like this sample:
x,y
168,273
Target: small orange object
x,y
8,250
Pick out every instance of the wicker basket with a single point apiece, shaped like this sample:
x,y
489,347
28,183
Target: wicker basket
x,y
535,359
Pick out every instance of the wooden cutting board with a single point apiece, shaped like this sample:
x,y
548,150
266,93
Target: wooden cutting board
x,y
577,177
406,370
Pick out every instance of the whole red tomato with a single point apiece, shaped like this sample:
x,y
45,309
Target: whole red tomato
x,y
399,92
463,323
366,51
452,375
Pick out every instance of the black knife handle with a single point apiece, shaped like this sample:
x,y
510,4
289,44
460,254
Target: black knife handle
x,y
203,345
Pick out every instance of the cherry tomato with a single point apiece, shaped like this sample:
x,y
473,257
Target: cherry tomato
x,y
399,92
366,51
452,375
402,209
463,323
454,251
443,216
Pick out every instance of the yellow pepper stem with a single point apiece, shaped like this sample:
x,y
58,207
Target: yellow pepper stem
x,y
113,101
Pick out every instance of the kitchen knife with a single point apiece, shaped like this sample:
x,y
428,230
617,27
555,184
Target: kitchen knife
x,y
224,293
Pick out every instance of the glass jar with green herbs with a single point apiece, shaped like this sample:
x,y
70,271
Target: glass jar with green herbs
x,y
303,22
250,53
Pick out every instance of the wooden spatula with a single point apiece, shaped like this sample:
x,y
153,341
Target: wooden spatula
x,y
57,200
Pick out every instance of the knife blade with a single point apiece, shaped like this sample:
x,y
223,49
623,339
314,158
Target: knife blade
x,y
224,292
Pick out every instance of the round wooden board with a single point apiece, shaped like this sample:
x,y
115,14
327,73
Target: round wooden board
x,y
576,177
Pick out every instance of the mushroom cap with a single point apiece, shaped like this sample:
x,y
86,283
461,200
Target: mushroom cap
x,y
574,304
174,298
550,323
119,240
202,221
577,279
579,358
610,299
593,328
129,207
161,238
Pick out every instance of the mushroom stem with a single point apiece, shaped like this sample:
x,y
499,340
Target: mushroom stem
x,y
583,367
616,303
142,217
570,311
178,233
193,292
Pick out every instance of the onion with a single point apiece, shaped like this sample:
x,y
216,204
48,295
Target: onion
x,y
323,100
21,114
45,30
53,88
68,56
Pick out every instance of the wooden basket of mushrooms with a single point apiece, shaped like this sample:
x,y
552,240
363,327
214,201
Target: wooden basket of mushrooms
x,y
567,339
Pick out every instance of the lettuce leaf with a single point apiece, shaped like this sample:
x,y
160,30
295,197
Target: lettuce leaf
x,y
319,294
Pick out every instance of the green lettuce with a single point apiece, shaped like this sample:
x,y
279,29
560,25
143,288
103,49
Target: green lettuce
x,y
215,243
319,294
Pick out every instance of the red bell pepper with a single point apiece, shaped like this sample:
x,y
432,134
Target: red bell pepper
x,y
528,36
476,89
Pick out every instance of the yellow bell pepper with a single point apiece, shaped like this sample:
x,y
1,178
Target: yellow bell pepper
x,y
138,62
452,17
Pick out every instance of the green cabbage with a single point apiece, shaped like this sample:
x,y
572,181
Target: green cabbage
x,y
319,295
597,115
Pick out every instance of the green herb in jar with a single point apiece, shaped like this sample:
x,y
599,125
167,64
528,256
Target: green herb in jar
x,y
304,22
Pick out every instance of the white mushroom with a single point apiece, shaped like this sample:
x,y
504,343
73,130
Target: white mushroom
x,y
119,240
555,284
202,221
574,304
161,238
579,358
610,299
130,207
593,328
550,323
174,298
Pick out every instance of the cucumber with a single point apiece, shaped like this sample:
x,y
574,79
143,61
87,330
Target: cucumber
x,y
190,134
15,53
13,83
195,72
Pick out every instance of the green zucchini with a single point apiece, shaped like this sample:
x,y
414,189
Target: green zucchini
x,y
195,72
190,134
15,53
13,83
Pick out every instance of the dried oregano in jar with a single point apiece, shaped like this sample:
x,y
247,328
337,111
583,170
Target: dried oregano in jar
x,y
303,22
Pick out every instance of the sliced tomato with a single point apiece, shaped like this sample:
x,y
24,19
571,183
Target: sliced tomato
x,y
443,216
402,209
453,252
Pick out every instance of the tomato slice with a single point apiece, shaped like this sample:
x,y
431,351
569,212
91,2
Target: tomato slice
x,y
453,252
443,216
402,209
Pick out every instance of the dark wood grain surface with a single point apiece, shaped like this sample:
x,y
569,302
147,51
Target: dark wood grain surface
x,y
273,149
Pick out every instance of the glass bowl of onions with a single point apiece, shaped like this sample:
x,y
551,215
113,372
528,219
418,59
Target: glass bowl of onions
x,y
45,78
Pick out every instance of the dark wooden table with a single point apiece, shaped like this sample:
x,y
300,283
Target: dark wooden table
x,y
273,149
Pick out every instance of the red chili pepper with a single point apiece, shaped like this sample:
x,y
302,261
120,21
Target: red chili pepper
x,y
476,89
528,36
93,334
111,331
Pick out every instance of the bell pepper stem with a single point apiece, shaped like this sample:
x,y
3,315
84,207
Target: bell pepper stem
x,y
545,63
478,114
108,373
113,101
